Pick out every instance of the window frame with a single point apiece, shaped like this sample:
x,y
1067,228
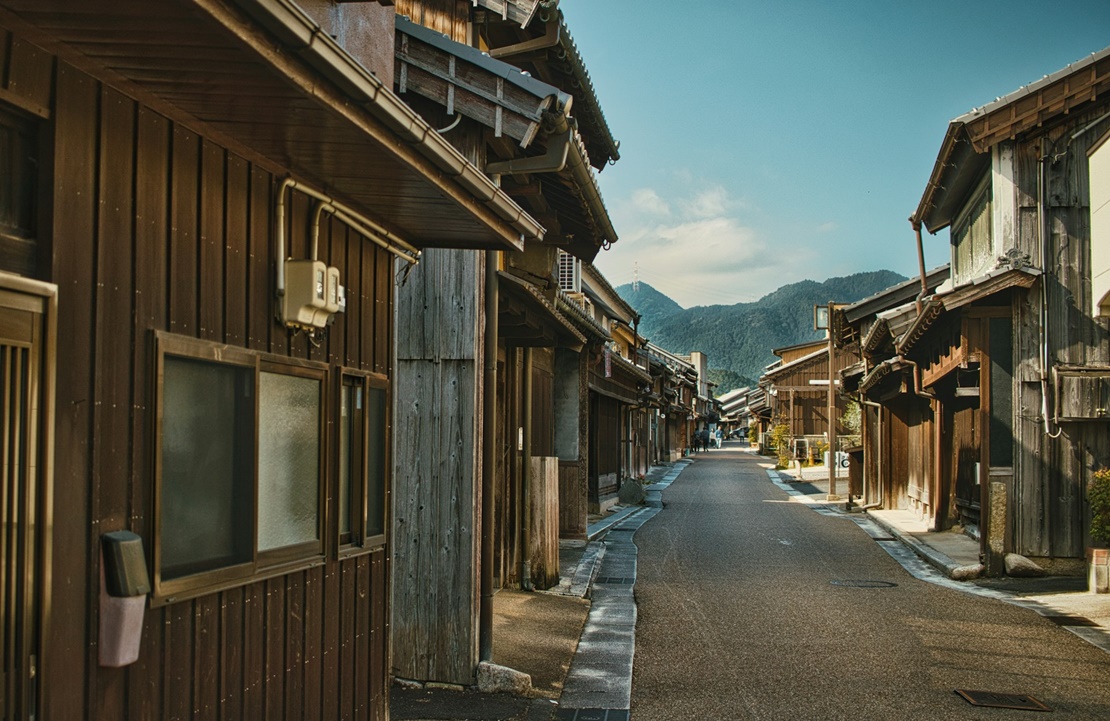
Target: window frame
x,y
262,564
962,228
358,542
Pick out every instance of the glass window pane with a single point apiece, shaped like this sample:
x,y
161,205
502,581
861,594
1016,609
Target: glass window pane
x,y
350,453
207,473
375,483
288,460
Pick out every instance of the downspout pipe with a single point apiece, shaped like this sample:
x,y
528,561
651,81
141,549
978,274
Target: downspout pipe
x,y
526,478
920,263
489,461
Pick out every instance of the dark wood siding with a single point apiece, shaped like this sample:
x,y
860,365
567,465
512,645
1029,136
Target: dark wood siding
x,y
157,228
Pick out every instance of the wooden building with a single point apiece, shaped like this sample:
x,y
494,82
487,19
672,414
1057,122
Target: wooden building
x,y
1001,367
889,468
230,408
797,391
675,386
497,382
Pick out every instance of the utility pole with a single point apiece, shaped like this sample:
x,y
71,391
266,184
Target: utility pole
x,y
823,319
831,400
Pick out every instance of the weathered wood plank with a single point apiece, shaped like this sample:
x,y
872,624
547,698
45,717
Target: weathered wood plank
x,y
151,213
206,658
330,663
182,281
365,665
232,655
377,643
349,606
294,675
261,261
313,641
112,362
235,247
210,281
274,651
254,635
179,675
30,74
352,320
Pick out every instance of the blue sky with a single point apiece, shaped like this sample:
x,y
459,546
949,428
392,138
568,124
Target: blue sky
x,y
764,143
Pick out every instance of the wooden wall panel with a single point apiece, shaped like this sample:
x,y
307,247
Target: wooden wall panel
x,y
260,281
235,250
67,654
182,281
158,228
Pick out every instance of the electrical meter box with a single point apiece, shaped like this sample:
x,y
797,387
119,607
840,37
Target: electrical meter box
x,y
312,293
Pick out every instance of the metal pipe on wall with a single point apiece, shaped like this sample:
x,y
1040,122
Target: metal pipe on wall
x,y
526,477
489,458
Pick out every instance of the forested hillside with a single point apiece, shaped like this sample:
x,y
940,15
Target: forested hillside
x,y
738,338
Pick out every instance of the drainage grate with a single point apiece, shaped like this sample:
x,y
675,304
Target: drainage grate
x,y
1071,620
615,579
1002,700
864,584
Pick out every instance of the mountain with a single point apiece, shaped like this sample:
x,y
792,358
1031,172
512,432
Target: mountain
x,y
738,338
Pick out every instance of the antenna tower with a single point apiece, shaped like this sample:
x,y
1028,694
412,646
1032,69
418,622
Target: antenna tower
x,y
636,277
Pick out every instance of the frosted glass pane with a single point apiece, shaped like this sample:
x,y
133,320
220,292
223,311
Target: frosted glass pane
x,y
288,460
206,472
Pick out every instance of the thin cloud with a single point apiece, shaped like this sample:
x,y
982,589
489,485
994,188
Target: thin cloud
x,y
695,248
646,200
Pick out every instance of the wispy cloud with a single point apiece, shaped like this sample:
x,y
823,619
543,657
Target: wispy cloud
x,y
696,248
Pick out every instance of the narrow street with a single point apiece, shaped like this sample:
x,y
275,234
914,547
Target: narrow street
x,y
752,606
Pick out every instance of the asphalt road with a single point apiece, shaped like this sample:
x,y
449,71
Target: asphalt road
x,y
751,607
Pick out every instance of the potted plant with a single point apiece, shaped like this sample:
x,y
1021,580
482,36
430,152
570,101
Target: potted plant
x,y
1098,555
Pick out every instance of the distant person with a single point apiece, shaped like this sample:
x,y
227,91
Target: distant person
x,y
719,437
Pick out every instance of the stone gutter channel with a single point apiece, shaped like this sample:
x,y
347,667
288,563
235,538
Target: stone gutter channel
x,y
599,683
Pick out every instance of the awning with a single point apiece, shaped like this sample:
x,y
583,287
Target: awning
x,y
544,47
525,318
978,289
554,180
262,78
466,81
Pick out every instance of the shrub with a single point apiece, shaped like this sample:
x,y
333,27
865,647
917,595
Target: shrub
x,y
780,441
1099,494
852,420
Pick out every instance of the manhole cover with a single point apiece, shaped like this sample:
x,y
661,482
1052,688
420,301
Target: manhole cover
x,y
864,584
1002,700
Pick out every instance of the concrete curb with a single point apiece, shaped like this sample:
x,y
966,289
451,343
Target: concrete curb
x,y
930,555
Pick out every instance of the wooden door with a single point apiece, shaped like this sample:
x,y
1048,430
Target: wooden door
x,y
26,399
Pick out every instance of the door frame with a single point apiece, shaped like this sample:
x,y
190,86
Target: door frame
x,y
18,293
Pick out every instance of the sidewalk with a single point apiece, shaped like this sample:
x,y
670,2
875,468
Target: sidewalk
x,y
584,621
952,556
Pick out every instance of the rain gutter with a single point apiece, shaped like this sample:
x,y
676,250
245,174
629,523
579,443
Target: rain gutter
x,y
564,152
